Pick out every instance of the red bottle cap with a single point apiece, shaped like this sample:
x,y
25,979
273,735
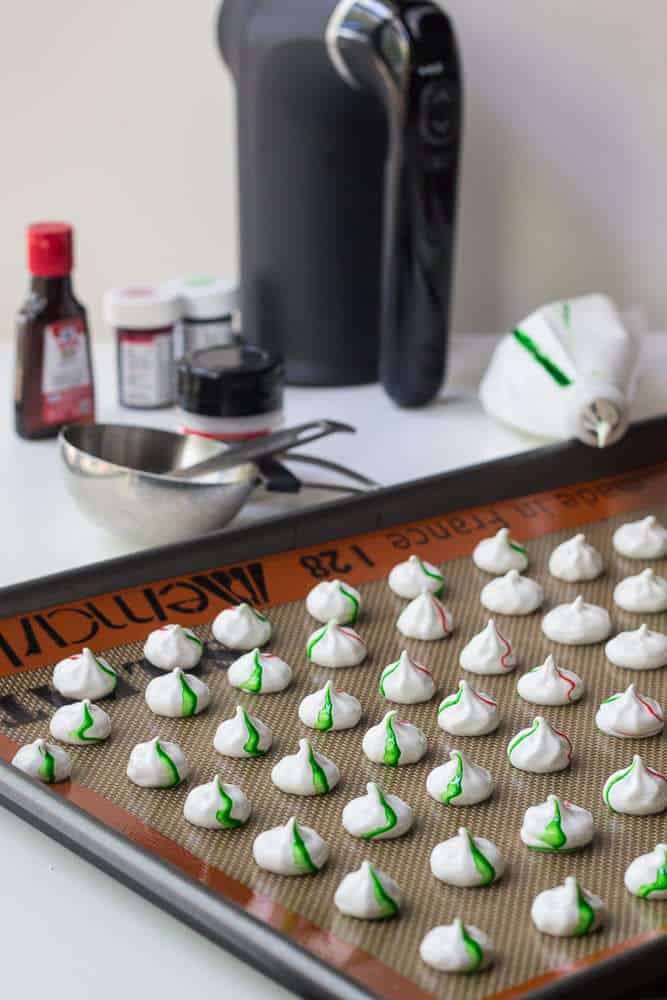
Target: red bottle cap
x,y
50,249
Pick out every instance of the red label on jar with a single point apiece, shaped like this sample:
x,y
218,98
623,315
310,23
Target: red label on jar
x,y
67,390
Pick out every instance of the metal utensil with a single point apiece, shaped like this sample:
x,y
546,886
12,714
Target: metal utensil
x,y
268,444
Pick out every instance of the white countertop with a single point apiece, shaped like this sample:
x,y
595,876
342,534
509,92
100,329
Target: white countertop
x,y
63,908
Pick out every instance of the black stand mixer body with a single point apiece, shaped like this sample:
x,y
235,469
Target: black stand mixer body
x,y
348,132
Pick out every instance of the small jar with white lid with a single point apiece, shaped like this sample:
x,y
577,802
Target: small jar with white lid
x,y
231,392
209,305
144,320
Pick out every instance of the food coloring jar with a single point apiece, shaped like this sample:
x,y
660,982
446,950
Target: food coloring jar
x,y
144,320
209,305
231,392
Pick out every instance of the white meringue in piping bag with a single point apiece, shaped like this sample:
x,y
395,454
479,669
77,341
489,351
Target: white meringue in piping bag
x,y
45,761
217,806
468,712
575,561
467,861
644,539
646,876
577,624
630,715
291,849
393,742
334,599
368,894
259,673
173,646
241,627
329,709
639,649
243,736
550,685
499,554
84,675
457,947
305,772
157,764
80,724
489,652
567,910
406,682
377,815
645,593
334,646
512,594
425,618
415,576
556,826
177,695
540,748
637,790
459,782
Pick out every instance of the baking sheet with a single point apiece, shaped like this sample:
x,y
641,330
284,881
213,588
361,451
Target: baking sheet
x,y
301,907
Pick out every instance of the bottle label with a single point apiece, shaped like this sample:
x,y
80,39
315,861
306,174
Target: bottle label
x,y
146,368
67,389
198,336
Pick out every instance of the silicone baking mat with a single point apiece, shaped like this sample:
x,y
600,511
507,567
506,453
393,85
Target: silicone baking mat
x,y
382,957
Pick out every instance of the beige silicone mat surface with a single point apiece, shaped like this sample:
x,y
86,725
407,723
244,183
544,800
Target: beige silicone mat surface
x,y
502,910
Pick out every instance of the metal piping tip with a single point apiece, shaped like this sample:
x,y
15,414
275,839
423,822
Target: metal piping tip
x,y
602,431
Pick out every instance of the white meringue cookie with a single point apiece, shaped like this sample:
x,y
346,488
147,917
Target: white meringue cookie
x,y
425,618
550,685
468,712
368,894
567,910
575,561
173,646
394,743
636,790
457,947
291,849
177,695
499,554
644,539
334,599
45,761
459,782
639,649
415,576
467,861
217,806
84,675
577,624
645,593
80,724
334,646
242,628
305,772
488,652
540,748
406,682
377,815
259,673
243,736
157,764
512,594
646,876
557,825
329,709
630,715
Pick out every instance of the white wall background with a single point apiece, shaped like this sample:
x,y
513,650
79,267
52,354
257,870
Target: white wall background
x,y
120,117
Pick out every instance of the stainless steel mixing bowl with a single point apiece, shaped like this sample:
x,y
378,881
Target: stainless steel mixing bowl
x,y
119,477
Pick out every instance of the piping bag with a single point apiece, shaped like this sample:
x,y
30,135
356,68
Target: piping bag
x,y
568,370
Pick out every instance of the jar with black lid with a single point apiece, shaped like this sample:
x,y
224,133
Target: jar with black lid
x,y
231,392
